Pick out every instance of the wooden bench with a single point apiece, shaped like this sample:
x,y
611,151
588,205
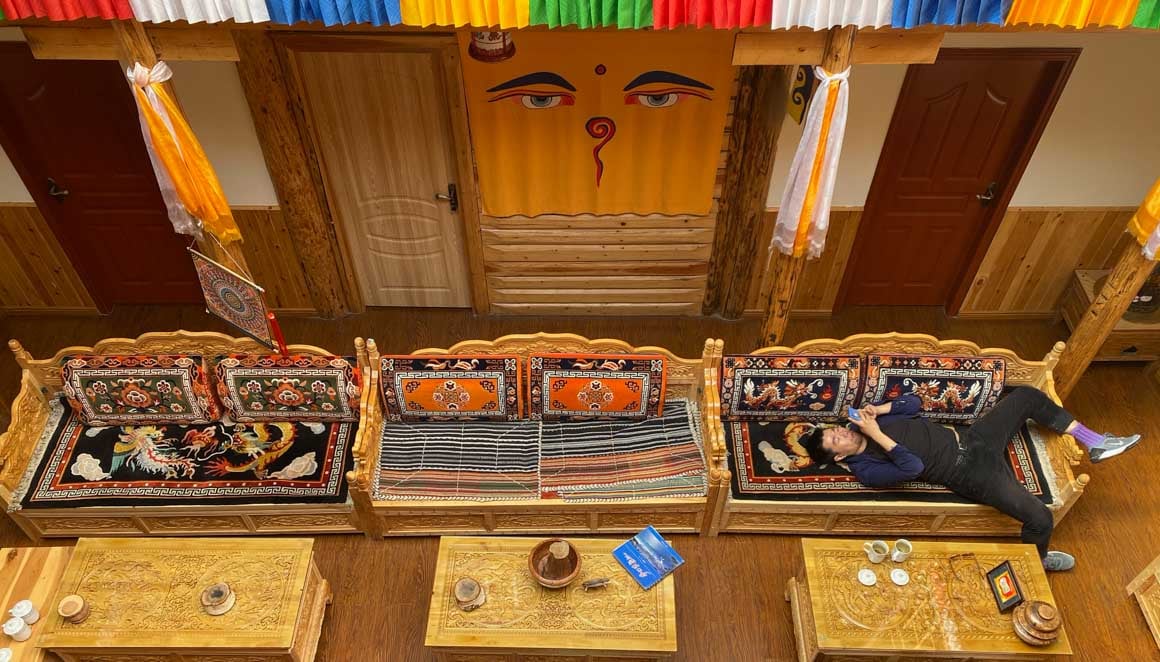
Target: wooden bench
x,y
686,378
896,517
41,381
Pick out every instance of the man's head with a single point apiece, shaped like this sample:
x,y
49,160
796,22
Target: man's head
x,y
833,444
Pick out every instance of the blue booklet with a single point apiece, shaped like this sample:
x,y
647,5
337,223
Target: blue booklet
x,y
647,557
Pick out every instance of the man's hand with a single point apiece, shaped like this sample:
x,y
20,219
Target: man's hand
x,y
869,427
884,408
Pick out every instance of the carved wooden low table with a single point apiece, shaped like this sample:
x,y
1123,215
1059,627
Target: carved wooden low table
x,y
945,612
145,601
31,573
1146,588
523,621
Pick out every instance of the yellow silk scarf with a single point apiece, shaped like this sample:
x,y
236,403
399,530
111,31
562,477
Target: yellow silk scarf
x,y
189,170
1145,224
801,239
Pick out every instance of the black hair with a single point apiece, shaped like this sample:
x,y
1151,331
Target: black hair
x,y
813,444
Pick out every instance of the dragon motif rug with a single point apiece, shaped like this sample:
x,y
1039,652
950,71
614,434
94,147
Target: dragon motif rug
x,y
159,464
769,463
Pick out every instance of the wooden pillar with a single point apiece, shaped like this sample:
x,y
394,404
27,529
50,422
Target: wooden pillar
x,y
787,270
134,45
1123,283
294,172
758,116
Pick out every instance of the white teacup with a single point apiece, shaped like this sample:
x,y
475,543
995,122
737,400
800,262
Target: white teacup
x,y
902,550
876,551
17,629
25,610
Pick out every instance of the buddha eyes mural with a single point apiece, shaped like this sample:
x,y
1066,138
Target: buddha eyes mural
x,y
607,125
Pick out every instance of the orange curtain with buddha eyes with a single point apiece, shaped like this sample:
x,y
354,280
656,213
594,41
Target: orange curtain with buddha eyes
x,y
1073,13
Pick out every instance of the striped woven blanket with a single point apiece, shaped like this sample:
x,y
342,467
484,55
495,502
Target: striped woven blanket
x,y
575,461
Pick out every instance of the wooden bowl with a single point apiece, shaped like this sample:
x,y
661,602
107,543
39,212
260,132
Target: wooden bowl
x,y
1042,616
1036,623
554,563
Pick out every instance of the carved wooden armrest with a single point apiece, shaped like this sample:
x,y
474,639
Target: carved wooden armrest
x,y
366,445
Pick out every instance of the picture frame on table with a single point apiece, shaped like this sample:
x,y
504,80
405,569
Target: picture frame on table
x,y
1004,587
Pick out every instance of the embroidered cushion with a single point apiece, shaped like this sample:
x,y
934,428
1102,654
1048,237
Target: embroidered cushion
x,y
596,385
954,389
788,387
299,388
442,387
126,390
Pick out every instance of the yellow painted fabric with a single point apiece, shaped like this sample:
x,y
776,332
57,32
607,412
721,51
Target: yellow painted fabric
x,y
505,14
1145,224
1073,13
184,160
600,122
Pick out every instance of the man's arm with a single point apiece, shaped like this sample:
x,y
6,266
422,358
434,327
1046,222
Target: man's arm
x,y
905,405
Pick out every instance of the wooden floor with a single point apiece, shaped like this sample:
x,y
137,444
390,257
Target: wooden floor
x,y
730,604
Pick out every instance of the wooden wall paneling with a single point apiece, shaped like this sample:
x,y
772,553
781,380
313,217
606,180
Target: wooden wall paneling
x,y
35,273
807,47
1034,253
758,115
187,42
277,113
469,207
273,262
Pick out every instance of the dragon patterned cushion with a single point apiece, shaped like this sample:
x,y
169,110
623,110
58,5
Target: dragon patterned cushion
x,y
953,389
126,390
452,387
258,388
788,387
579,386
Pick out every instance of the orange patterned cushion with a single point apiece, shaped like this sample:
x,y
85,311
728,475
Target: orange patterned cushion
x,y
486,387
596,385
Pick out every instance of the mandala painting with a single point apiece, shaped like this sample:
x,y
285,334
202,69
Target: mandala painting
x,y
233,298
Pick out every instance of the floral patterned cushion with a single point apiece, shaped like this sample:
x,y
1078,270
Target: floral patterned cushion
x,y
788,387
298,388
446,387
126,390
954,389
574,386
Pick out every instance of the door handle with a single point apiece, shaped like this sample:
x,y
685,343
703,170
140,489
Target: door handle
x,y
987,196
451,197
56,191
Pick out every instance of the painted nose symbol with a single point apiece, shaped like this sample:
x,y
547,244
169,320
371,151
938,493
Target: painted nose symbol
x,y
603,129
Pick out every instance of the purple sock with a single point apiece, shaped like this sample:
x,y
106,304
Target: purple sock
x,y
1086,437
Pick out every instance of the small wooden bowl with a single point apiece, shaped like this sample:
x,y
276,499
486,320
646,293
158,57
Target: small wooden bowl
x,y
554,563
1036,623
73,609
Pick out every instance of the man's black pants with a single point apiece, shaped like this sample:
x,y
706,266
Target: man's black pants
x,y
982,473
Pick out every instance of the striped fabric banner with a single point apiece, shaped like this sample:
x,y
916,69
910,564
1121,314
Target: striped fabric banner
x,y
200,11
825,14
592,13
912,13
1073,13
1147,15
506,14
720,14
335,12
67,10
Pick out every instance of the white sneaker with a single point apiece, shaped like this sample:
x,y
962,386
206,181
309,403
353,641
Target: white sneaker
x,y
1112,446
1058,562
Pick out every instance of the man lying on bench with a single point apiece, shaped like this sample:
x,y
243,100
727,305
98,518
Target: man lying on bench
x,y
908,447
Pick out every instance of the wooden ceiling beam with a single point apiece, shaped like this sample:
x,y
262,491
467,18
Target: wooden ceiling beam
x,y
203,43
794,47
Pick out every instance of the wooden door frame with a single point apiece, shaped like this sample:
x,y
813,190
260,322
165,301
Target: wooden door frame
x,y
446,47
45,205
1017,163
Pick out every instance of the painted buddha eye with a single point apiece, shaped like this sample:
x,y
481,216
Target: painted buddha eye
x,y
661,98
534,100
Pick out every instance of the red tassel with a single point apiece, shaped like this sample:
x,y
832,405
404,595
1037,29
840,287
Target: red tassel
x,y
276,331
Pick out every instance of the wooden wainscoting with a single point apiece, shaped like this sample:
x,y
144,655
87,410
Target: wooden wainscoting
x,y
1032,257
822,278
37,277
1024,273
35,274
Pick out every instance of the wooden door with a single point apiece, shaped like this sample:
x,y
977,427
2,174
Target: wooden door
x,y
962,132
74,123
382,126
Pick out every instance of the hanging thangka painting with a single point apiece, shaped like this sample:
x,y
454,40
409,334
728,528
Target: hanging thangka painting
x,y
233,298
599,123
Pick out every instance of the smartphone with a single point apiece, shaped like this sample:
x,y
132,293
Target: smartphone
x,y
853,414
